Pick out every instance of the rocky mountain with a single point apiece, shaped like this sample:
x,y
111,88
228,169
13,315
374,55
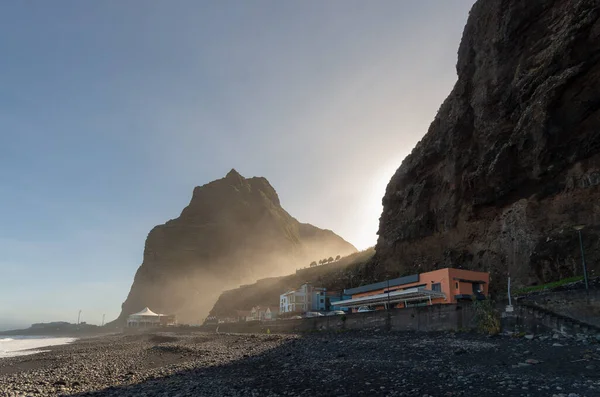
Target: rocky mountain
x,y
512,160
233,231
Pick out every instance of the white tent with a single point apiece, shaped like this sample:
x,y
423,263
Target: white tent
x,y
143,318
145,312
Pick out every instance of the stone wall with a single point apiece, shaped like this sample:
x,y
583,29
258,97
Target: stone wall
x,y
426,318
532,320
575,304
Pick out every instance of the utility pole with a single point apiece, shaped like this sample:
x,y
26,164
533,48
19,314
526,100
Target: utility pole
x,y
585,277
103,320
509,300
388,292
509,308
388,317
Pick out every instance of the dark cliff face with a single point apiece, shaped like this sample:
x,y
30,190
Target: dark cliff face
x,y
233,231
512,160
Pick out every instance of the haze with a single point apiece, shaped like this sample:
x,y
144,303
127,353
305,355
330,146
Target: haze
x,y
111,112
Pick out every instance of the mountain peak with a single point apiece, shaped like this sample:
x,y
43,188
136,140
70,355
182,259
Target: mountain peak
x,y
233,231
233,174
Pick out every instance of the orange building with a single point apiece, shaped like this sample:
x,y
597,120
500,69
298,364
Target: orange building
x,y
443,286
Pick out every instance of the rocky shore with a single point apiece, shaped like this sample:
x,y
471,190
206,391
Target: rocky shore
x,y
340,364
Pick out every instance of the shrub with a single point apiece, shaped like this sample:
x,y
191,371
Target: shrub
x,y
549,286
486,317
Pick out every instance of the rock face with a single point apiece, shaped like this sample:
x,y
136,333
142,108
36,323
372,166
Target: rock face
x,y
512,160
233,231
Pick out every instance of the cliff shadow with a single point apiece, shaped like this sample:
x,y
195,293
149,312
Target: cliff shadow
x,y
374,364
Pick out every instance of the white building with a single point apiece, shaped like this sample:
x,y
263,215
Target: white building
x,y
304,299
145,318
259,313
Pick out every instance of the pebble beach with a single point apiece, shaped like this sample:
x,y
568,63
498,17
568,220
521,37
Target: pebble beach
x,y
319,364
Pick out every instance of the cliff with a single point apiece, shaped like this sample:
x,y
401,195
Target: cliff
x,y
512,160
233,231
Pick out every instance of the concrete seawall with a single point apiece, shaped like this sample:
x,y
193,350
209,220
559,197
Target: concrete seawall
x,y
569,312
426,318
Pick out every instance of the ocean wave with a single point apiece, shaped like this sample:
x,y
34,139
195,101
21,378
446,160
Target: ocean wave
x,y
19,346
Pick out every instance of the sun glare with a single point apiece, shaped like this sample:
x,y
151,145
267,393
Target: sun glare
x,y
372,206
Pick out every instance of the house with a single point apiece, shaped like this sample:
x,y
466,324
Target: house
x,y
211,320
443,286
242,315
168,320
259,313
271,313
332,298
306,298
228,319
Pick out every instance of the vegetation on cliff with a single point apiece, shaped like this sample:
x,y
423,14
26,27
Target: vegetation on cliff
x,y
347,272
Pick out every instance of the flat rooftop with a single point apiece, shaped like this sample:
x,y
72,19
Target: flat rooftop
x,y
383,284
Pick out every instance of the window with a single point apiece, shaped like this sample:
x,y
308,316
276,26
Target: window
x,y
456,284
417,304
436,287
322,300
411,287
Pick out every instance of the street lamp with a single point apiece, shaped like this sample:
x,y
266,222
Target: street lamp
x,y
579,228
388,292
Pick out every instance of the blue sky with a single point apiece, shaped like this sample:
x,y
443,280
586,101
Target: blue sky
x,y
111,112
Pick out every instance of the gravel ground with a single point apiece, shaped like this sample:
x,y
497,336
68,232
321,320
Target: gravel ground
x,y
342,364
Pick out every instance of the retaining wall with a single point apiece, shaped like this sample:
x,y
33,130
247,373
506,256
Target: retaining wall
x,y
532,319
427,318
576,304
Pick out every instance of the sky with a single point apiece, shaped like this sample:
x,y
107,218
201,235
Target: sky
x,y
111,112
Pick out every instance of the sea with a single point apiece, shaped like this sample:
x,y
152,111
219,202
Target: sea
x,y
11,346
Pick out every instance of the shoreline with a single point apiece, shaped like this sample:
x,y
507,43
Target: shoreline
x,y
319,364
40,346
27,345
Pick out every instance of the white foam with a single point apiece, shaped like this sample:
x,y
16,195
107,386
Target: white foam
x,y
24,345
